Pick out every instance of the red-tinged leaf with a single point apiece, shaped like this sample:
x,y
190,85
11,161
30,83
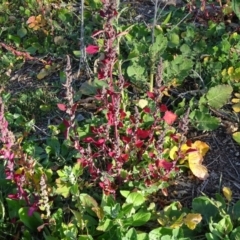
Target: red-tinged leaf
x,y
122,114
62,107
151,95
132,118
163,108
89,140
100,142
66,123
124,157
189,143
143,133
151,167
126,85
129,131
111,154
120,125
161,163
152,155
74,107
110,117
169,117
147,110
109,167
162,88
126,139
175,137
139,143
92,49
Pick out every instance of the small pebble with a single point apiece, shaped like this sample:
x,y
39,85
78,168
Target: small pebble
x,y
237,154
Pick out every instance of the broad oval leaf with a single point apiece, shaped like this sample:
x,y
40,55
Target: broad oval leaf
x,y
136,199
195,164
219,95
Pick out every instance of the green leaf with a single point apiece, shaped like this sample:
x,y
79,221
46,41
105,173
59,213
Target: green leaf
x,y
136,199
235,234
204,121
219,95
140,218
22,32
236,211
33,221
205,206
225,226
137,71
124,193
236,137
85,237
236,7
107,224
159,46
77,53
173,40
2,212
13,207
131,234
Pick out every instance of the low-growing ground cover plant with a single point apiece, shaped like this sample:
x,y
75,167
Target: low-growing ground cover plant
x,y
91,177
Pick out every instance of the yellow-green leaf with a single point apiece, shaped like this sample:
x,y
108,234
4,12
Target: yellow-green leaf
x,y
142,103
173,152
202,147
192,219
227,193
235,100
179,222
236,137
236,107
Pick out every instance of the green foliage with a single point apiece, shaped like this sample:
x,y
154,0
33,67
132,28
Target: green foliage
x,y
35,36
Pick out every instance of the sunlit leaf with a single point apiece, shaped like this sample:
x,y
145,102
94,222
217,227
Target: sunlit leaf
x,y
142,103
192,219
195,164
169,117
236,137
227,193
179,222
236,107
173,152
202,147
219,95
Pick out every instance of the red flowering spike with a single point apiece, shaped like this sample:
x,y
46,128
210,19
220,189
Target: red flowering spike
x,y
169,117
92,49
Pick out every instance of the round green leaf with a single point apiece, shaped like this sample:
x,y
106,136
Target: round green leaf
x,y
22,32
